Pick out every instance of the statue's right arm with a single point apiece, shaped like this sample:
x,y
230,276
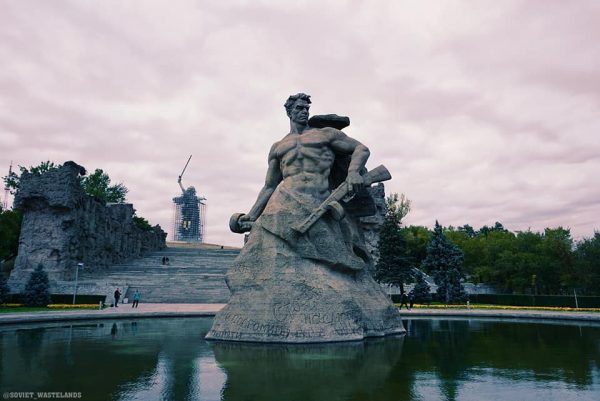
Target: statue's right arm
x,y
274,177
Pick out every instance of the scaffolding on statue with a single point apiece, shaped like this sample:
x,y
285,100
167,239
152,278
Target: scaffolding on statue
x,y
189,217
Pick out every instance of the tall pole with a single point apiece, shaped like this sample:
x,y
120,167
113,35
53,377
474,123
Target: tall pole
x,y
76,279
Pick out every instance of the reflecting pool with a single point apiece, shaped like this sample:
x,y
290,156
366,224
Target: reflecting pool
x,y
438,359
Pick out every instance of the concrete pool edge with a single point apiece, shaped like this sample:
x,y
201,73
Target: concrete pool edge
x,y
123,312
503,313
207,310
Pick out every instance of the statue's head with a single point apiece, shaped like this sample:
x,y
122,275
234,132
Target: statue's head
x,y
297,107
190,191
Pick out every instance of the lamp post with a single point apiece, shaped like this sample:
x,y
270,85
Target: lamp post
x,y
76,278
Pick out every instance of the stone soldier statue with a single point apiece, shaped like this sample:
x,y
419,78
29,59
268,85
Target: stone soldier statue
x,y
303,275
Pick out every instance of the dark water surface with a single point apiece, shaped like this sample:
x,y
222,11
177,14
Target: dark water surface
x,y
439,359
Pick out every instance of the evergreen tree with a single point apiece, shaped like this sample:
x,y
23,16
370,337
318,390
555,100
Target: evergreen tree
x,y
444,261
4,290
37,290
587,264
421,290
142,223
10,229
394,267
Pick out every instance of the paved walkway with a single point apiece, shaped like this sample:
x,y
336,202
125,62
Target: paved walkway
x,y
186,310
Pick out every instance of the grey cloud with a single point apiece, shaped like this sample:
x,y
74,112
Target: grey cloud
x,y
482,112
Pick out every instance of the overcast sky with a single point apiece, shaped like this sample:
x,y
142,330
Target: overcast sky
x,y
483,111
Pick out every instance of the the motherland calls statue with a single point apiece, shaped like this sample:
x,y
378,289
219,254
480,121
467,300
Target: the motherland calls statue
x,y
303,275
187,212
189,229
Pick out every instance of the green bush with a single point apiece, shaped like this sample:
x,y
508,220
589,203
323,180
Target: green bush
x,y
37,290
4,290
142,223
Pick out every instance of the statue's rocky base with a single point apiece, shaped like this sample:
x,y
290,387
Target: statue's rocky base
x,y
278,296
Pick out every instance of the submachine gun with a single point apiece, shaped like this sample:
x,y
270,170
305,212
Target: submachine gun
x,y
343,192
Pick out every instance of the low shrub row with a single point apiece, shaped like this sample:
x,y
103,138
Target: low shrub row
x,y
19,307
80,299
562,301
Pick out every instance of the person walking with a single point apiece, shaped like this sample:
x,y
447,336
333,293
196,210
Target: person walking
x,y
136,299
117,297
403,300
411,299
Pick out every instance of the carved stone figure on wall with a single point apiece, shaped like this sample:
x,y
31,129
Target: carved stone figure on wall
x,y
63,226
303,275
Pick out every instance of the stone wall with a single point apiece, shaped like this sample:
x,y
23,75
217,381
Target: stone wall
x,y
371,225
63,226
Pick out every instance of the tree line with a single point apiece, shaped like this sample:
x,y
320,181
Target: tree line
x,y
521,262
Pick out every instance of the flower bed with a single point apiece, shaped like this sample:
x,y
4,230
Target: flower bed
x,y
504,307
23,308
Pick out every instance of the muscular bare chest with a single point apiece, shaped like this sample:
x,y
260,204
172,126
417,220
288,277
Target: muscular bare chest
x,y
312,145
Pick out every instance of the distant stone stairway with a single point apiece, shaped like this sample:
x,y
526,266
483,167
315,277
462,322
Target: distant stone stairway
x,y
194,275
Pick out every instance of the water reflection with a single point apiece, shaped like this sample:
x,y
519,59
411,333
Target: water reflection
x,y
342,371
478,360
168,359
